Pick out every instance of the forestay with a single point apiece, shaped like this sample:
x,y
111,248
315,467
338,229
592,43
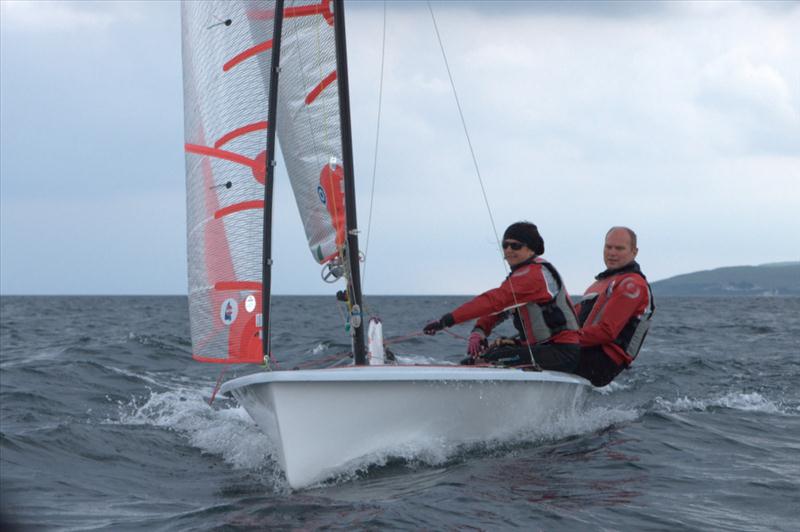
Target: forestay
x,y
227,64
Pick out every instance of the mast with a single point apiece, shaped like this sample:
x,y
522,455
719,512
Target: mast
x,y
266,272
354,279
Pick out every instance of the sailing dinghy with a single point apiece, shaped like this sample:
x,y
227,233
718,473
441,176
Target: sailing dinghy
x,y
254,70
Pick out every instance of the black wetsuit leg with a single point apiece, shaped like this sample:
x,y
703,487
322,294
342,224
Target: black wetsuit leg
x,y
557,357
595,366
508,355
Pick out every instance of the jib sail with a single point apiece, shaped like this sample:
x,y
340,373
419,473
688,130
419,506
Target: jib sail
x,y
308,123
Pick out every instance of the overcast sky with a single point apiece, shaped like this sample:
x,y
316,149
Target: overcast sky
x,y
681,120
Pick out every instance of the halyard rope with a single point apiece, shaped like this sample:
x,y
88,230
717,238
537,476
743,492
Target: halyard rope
x,y
375,155
474,159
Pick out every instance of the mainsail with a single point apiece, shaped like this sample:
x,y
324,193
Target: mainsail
x,y
227,66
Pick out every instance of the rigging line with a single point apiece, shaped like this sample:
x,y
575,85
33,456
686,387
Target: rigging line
x,y
375,155
217,385
464,125
474,159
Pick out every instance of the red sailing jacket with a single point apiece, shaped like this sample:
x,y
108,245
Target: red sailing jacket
x,y
612,302
532,284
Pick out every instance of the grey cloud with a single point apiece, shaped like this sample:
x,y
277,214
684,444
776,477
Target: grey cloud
x,y
586,8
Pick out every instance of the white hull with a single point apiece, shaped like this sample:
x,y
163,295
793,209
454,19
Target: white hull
x,y
321,421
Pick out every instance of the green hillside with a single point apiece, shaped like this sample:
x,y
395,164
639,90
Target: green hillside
x,y
781,278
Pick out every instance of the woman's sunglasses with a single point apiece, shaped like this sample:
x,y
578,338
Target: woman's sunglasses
x,y
516,246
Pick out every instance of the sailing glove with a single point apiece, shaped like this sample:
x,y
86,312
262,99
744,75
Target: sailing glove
x,y
437,325
476,344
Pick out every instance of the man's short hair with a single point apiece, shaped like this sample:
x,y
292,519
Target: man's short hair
x,y
631,234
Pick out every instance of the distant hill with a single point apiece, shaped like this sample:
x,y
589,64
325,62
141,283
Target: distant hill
x,y
779,278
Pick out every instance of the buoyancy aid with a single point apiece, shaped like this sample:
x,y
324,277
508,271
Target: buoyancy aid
x,y
545,320
628,285
538,321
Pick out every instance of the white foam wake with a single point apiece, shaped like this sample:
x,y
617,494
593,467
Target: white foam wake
x,y
433,452
228,432
748,402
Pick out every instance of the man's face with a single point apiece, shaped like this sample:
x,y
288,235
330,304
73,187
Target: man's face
x,y
618,251
516,256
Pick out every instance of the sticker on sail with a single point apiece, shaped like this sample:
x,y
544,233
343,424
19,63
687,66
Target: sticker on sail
x,y
322,197
228,311
250,303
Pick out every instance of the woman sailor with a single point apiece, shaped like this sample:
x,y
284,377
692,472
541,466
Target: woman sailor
x,y
535,297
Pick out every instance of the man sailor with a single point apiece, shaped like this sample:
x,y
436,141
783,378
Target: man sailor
x,y
615,311
534,295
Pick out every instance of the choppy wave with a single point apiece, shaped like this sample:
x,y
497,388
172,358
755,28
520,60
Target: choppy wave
x,y
106,423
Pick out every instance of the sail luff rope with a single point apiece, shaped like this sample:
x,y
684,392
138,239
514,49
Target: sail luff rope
x,y
375,154
474,160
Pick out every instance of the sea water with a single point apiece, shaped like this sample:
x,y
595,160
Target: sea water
x,y
106,425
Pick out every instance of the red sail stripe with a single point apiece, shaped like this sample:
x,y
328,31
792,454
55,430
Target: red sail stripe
x,y
220,154
292,12
227,137
319,88
323,8
250,52
230,360
238,207
305,11
257,165
237,285
262,14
